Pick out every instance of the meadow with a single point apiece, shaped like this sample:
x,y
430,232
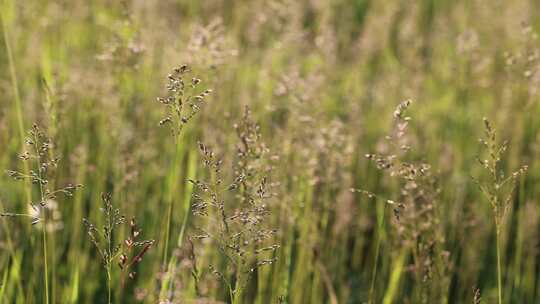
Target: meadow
x,y
269,151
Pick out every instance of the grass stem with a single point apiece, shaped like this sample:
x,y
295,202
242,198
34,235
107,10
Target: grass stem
x,y
45,263
377,253
170,199
499,275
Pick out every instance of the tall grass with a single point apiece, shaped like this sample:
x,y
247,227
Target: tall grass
x,y
262,211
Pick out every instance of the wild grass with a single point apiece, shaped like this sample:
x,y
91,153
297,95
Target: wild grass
x,y
126,254
499,190
237,211
39,159
240,173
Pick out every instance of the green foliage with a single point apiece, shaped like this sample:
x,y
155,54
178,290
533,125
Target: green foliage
x,y
301,91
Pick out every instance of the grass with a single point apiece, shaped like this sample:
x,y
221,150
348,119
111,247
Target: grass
x,y
243,192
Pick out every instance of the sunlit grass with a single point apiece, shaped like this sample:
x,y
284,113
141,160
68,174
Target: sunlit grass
x,y
321,80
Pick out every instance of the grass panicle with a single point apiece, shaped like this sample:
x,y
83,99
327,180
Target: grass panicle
x,y
126,254
235,212
498,189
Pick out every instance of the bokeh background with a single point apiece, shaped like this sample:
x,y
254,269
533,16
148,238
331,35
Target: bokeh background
x,y
322,79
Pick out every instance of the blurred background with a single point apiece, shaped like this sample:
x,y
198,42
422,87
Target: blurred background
x,y
322,79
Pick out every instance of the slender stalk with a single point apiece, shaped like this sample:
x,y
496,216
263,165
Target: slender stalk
x,y
44,219
170,199
376,262
109,243
45,274
372,287
167,233
499,276
235,293
184,224
52,239
170,265
109,288
171,268
231,295
187,195
395,277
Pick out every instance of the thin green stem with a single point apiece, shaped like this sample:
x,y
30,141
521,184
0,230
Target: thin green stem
x,y
110,228
44,218
187,195
170,199
173,180
53,267
376,262
499,276
233,295
109,287
167,233
46,272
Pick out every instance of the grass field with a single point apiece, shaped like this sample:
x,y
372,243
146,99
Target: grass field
x,y
269,151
